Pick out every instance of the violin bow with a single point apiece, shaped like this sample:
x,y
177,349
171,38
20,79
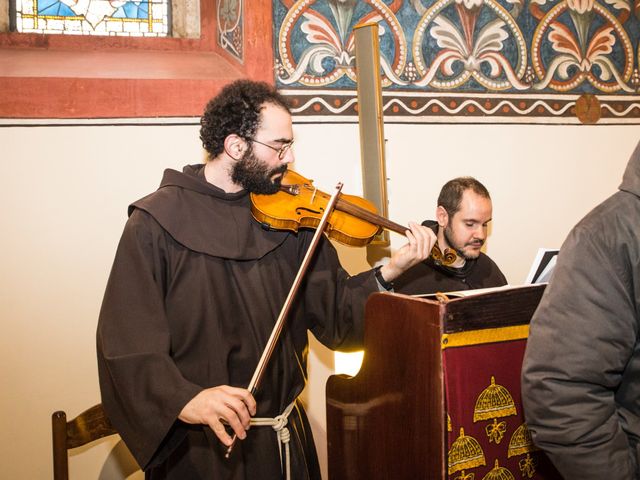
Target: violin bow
x,y
277,328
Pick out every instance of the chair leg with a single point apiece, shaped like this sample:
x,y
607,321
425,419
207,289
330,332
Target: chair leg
x,y
59,433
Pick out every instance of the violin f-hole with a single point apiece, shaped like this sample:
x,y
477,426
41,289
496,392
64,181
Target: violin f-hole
x,y
299,210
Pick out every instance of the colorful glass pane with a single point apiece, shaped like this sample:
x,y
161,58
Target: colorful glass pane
x,y
143,18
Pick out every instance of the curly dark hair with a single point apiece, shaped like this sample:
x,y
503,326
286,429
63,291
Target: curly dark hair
x,y
452,191
236,110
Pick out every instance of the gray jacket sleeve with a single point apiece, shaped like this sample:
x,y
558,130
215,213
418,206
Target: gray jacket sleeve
x,y
580,348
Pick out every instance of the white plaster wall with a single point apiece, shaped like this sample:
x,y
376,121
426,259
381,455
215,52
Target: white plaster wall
x,y
64,200
542,179
64,195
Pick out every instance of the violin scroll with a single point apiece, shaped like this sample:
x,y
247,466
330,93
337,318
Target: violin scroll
x,y
447,258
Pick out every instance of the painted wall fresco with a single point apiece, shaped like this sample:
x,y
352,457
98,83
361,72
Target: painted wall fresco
x,y
230,27
476,61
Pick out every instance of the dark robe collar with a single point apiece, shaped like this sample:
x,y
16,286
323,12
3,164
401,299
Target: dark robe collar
x,y
462,272
206,219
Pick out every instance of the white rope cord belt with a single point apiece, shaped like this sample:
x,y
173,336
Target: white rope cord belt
x,y
279,424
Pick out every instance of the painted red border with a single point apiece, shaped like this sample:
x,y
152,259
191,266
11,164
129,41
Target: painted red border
x,y
58,76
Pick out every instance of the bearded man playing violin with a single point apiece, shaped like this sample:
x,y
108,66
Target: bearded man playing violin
x,y
463,215
193,295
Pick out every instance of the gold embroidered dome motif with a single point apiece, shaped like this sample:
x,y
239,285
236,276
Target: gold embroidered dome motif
x,y
465,453
499,473
521,442
494,401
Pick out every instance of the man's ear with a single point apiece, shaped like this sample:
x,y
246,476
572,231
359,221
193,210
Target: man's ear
x,y
442,216
234,146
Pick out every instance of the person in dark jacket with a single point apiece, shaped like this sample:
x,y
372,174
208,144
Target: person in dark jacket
x,y
463,214
581,371
196,287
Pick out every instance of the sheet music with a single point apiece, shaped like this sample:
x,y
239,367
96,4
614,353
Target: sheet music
x,y
542,266
467,293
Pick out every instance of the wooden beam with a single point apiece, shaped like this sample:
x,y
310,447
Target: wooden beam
x,y
372,142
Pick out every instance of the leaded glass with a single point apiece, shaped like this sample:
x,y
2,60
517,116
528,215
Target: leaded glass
x,y
144,18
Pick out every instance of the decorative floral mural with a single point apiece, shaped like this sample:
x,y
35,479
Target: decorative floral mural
x,y
230,27
539,61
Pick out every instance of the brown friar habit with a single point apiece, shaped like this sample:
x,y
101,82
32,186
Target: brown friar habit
x,y
194,292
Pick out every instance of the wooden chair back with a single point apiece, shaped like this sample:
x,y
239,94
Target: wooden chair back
x,y
90,425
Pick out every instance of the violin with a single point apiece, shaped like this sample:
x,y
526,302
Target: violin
x,y
354,221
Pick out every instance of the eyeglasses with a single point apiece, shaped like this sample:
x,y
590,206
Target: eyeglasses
x,y
282,151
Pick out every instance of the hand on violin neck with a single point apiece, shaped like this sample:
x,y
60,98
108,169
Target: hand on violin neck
x,y
420,241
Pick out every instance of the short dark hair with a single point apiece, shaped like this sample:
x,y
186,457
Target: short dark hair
x,y
236,110
452,191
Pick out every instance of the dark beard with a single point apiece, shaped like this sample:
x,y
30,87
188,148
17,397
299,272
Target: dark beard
x,y
448,234
255,176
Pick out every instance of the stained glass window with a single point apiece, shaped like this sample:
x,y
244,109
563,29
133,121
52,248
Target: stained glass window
x,y
144,18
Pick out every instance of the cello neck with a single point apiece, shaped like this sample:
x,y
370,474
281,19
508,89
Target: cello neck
x,y
370,217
